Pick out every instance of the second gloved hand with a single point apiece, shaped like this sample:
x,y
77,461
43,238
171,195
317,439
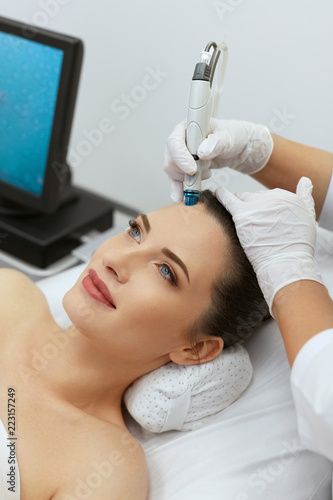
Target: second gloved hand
x,y
242,146
277,230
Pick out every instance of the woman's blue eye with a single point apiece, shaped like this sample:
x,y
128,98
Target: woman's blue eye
x,y
168,274
165,270
135,233
135,230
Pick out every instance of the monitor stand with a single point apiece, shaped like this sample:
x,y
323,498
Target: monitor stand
x,y
42,239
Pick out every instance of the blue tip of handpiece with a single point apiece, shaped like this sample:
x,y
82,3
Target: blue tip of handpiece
x,y
191,197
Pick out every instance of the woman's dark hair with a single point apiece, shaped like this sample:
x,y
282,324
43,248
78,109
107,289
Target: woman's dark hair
x,y
237,305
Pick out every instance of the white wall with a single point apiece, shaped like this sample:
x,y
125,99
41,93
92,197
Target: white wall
x,y
280,73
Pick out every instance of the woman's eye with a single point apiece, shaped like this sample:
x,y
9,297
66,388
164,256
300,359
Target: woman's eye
x,y
135,233
168,274
134,230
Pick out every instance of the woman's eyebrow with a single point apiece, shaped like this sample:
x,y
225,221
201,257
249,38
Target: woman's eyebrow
x,y
178,261
145,222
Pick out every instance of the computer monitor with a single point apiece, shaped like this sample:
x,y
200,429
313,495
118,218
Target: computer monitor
x,y
39,77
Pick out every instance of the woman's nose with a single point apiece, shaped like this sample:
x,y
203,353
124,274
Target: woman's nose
x,y
122,263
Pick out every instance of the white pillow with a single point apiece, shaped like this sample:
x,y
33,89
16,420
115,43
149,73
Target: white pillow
x,y
178,397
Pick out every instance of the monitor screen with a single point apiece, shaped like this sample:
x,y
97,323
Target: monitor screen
x,y
29,82
39,77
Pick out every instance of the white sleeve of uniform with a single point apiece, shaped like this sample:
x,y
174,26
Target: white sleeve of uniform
x,y
312,388
326,217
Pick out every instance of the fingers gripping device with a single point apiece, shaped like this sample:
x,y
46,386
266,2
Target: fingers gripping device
x,y
200,111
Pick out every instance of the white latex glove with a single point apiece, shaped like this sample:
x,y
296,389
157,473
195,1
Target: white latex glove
x,y
277,230
242,146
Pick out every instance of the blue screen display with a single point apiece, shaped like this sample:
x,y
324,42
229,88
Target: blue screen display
x,y
29,81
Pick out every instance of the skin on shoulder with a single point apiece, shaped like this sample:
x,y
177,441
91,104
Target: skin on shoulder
x,y
113,468
20,298
15,286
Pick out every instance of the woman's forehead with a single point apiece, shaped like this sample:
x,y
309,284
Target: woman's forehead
x,y
192,223
179,216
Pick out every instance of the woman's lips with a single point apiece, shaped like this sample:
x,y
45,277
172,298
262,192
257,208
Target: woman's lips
x,y
97,289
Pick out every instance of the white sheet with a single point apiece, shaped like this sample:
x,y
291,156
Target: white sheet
x,y
250,450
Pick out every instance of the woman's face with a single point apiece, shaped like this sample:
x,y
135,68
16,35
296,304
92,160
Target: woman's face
x,y
159,274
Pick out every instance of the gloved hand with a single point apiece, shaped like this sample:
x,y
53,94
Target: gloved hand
x,y
277,230
243,146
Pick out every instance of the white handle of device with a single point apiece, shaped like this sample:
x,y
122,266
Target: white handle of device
x,y
198,120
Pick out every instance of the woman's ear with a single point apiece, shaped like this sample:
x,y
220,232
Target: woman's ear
x,y
203,351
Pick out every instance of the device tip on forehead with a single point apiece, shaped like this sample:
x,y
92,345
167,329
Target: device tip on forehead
x,y
191,198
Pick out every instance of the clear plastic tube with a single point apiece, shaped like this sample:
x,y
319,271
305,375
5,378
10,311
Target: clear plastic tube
x,y
221,74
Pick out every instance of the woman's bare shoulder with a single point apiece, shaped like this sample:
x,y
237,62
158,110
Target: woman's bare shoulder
x,y
113,466
10,278
19,296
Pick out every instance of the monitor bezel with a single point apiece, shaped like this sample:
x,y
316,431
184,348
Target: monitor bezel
x,y
57,180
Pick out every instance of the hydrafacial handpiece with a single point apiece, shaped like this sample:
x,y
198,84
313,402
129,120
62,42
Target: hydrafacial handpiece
x,y
200,111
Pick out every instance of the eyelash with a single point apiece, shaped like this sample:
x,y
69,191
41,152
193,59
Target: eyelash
x,y
135,226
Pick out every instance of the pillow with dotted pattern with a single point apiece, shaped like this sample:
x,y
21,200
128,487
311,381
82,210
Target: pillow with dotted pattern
x,y
179,397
